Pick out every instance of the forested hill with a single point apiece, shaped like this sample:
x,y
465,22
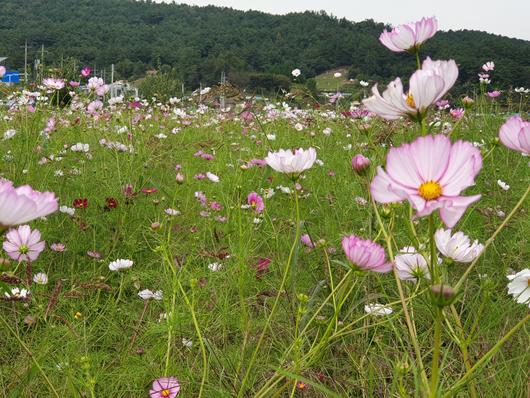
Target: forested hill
x,y
200,42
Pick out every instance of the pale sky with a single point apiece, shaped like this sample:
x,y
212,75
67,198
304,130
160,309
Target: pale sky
x,y
505,17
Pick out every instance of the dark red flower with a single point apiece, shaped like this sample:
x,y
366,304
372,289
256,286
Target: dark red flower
x,y
111,203
80,203
262,266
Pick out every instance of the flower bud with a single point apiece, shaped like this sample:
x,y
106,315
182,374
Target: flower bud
x,y
443,295
359,163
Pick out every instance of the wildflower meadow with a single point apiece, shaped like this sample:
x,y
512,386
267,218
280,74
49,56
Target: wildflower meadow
x,y
344,247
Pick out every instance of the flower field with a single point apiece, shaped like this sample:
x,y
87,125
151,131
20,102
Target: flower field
x,y
373,249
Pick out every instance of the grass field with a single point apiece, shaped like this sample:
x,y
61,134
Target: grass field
x,y
91,335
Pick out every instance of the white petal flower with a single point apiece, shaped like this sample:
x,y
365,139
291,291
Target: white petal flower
x,y
411,266
377,309
289,162
120,264
519,286
215,267
40,278
457,247
503,185
212,177
145,294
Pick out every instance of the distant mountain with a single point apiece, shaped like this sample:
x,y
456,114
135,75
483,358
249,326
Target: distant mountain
x,y
198,43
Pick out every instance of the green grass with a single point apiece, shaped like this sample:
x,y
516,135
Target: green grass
x,y
93,353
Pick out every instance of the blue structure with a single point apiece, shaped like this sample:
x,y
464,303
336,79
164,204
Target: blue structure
x,y
11,77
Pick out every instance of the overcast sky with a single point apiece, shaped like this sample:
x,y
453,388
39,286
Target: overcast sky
x,y
505,17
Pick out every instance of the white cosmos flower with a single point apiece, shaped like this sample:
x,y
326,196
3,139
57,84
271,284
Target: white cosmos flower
x,y
120,264
427,85
271,137
9,134
80,147
410,265
503,185
377,309
215,267
17,293
67,210
172,212
519,286
212,177
363,83
457,247
289,162
40,278
147,294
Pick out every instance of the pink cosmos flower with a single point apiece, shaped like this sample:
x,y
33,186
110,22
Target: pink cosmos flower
x,y
409,36
23,244
427,86
2,70
74,84
165,387
53,84
258,162
58,247
457,113
365,254
306,240
292,162
488,66
23,204
86,71
94,106
360,162
442,104
494,94
430,173
515,134
255,202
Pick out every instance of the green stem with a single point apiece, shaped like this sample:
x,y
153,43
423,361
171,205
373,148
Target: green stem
x,y
276,299
492,238
432,245
436,352
30,354
402,298
460,383
423,124
463,344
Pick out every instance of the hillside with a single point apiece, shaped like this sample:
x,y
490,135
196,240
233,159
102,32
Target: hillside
x,y
199,43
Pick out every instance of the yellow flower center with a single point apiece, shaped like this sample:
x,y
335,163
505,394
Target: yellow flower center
x,y
165,393
430,190
410,100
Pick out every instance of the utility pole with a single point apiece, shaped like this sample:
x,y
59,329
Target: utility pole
x,y
223,84
26,61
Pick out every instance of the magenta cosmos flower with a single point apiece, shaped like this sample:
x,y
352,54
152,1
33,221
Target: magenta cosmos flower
x,y
86,71
255,202
515,134
365,254
23,244
165,387
409,36
427,85
430,173
23,204
292,162
360,162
